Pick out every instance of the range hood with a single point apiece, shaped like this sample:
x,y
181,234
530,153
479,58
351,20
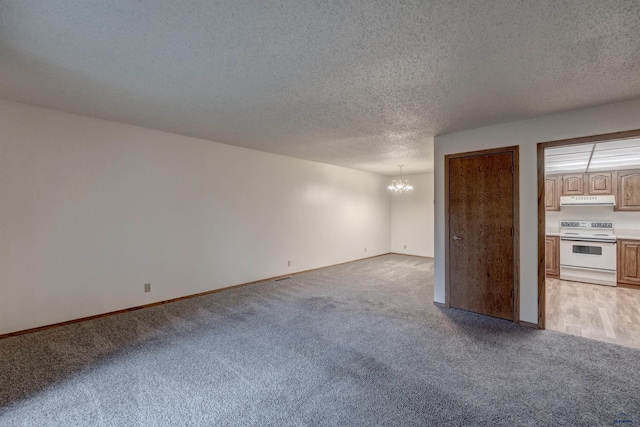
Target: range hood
x,y
588,201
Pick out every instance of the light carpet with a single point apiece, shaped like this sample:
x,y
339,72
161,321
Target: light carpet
x,y
357,344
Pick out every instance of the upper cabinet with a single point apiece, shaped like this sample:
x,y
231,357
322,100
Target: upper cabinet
x,y
573,184
624,184
628,190
581,184
552,192
600,183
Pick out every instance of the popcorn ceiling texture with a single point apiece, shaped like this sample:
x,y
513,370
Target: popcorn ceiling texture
x,y
362,84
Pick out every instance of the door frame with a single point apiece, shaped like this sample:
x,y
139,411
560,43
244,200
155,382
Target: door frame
x,y
515,150
542,224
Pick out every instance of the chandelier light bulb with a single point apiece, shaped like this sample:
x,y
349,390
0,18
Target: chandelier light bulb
x,y
399,185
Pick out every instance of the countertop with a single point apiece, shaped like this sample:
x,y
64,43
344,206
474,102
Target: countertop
x,y
553,231
627,234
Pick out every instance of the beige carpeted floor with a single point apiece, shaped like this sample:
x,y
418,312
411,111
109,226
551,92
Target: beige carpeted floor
x,y
358,344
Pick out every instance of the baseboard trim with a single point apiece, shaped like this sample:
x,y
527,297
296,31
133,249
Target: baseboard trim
x,y
627,285
522,322
154,304
417,256
528,324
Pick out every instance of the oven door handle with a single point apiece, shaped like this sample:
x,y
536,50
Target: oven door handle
x,y
587,239
580,267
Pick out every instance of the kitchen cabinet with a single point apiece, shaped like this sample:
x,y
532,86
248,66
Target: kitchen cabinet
x,y
629,262
573,184
552,256
628,190
624,184
552,192
600,183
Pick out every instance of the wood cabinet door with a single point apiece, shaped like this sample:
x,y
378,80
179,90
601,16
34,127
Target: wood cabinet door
x,y
600,183
628,197
552,192
552,256
573,185
629,262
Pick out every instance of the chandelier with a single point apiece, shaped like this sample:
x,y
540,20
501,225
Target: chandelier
x,y
400,185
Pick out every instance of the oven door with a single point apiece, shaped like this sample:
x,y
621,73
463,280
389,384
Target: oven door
x,y
589,255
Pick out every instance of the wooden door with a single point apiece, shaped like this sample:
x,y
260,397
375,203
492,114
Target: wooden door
x,y
629,262
600,183
482,195
552,256
573,185
552,192
628,197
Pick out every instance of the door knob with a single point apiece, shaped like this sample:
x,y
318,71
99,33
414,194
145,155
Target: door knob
x,y
456,237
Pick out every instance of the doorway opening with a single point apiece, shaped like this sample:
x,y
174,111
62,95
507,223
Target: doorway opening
x,y
589,237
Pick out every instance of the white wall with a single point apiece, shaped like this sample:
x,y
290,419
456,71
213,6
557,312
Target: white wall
x,y
526,133
412,218
90,210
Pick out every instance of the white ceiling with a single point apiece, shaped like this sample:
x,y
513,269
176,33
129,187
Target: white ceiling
x,y
362,84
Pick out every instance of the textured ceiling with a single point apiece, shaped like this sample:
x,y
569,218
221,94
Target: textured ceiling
x,y
362,84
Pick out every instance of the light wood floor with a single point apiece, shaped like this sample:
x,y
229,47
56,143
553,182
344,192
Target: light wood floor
x,y
605,313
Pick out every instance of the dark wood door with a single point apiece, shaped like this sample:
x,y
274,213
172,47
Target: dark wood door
x,y
481,233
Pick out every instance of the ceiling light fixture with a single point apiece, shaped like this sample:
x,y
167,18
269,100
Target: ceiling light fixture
x,y
400,185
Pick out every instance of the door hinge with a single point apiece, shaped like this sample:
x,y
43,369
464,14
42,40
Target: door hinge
x,y
511,231
512,170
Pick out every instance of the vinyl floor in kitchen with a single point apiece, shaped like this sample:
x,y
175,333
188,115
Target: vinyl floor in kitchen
x,y
605,313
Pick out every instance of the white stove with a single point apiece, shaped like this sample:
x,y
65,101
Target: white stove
x,y
592,231
588,252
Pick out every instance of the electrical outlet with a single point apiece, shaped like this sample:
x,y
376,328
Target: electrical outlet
x,y
288,263
405,246
365,249
147,287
